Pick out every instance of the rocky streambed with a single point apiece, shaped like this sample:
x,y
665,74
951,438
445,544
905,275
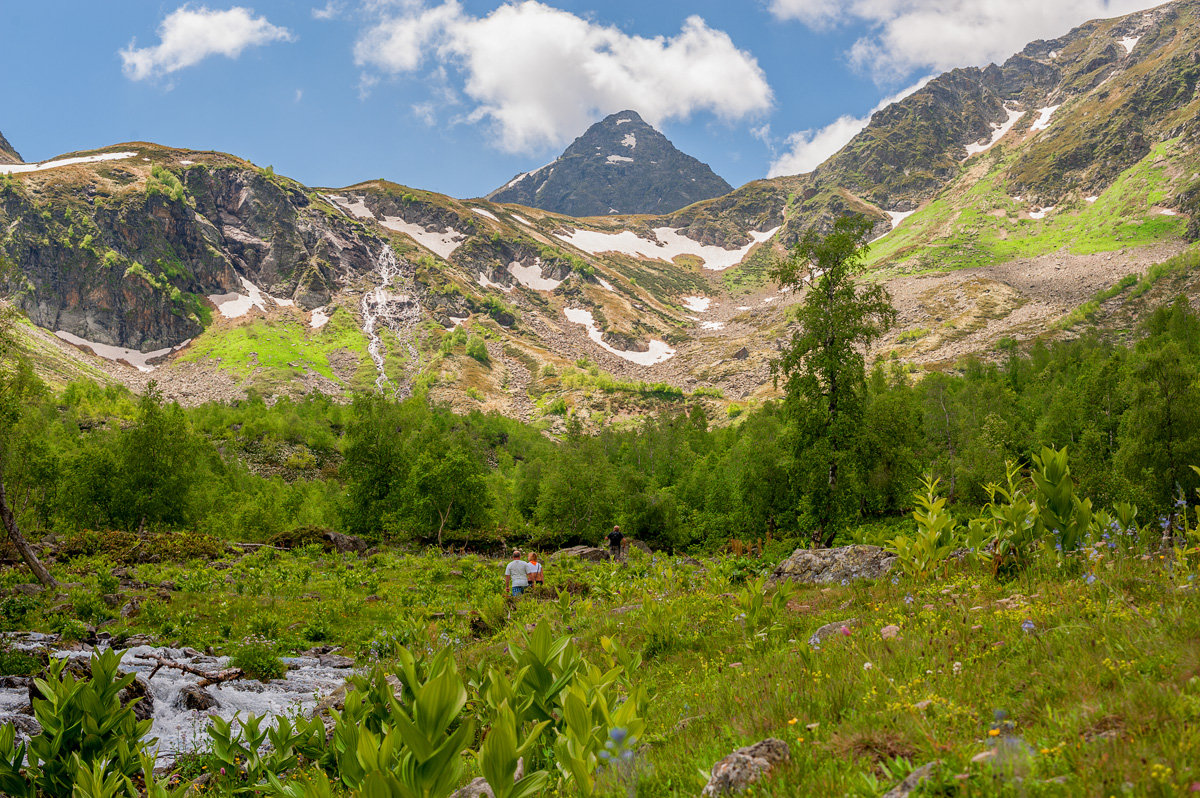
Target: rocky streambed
x,y
170,698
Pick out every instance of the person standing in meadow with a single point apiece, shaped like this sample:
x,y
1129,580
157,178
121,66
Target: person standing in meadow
x,y
615,540
536,578
516,574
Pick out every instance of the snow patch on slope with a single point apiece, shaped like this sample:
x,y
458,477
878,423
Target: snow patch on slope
x,y
19,168
531,276
1043,120
234,305
657,353
443,243
1129,42
668,245
613,159
697,304
119,354
998,132
629,141
487,214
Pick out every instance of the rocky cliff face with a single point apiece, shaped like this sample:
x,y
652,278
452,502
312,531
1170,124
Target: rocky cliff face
x,y
8,153
125,252
620,165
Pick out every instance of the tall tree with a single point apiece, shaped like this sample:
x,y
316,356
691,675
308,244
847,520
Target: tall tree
x,y
17,383
823,366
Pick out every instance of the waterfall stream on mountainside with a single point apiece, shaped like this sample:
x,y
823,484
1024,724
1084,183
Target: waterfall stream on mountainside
x,y
392,304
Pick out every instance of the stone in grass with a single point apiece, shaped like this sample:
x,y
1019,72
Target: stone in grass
x,y
833,566
745,766
829,630
911,782
588,553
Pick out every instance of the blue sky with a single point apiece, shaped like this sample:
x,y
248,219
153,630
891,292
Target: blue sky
x,y
458,96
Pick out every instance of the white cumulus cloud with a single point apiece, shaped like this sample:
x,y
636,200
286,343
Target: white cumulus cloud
x,y
808,149
943,34
540,75
189,34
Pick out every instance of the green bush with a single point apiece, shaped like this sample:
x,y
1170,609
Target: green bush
x,y
477,349
14,610
18,663
259,661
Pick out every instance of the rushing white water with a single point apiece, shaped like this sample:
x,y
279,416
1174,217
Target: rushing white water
x,y
398,312
180,730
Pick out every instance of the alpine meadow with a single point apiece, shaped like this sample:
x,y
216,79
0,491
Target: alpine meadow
x,y
878,476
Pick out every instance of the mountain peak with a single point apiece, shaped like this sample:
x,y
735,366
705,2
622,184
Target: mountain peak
x,y
7,153
619,165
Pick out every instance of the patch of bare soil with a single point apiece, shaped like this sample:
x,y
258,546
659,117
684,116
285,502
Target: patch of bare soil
x,y
944,317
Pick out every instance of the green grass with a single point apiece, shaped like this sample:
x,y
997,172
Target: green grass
x,y
957,229
273,345
1101,697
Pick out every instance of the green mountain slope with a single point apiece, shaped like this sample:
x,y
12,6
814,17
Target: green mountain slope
x,y
1007,200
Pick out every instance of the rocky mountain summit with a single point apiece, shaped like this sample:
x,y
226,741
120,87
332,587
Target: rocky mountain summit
x,y
621,165
8,153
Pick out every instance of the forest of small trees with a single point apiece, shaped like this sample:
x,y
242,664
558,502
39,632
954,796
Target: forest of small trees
x,y
839,455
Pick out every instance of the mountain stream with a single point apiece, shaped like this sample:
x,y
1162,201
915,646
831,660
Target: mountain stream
x,y
178,729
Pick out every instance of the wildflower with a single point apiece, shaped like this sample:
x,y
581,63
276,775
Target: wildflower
x,y
845,581
895,580
793,722
617,735
957,668
845,631
1089,578
867,666
993,732
908,599
1028,625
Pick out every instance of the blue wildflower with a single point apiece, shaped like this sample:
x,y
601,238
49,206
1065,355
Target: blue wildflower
x,y
1028,625
617,735
1089,578
908,599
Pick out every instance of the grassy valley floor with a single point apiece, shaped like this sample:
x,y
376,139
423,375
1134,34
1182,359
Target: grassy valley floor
x,y
1074,679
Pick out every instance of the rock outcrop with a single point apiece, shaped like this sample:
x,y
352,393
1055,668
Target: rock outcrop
x,y
8,153
589,553
126,257
843,564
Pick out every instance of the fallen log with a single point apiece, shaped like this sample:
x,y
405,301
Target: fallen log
x,y
207,678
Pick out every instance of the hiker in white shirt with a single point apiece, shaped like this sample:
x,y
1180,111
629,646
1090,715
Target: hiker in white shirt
x,y
516,574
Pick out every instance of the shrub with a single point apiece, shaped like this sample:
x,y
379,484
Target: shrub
x,y
259,661
18,663
14,610
318,629
477,349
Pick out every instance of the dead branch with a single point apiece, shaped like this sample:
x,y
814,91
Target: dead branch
x,y
207,678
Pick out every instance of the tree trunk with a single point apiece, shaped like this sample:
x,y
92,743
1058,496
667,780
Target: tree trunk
x,y
22,545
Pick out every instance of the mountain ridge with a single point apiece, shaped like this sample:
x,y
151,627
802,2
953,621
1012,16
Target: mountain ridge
x,y
1010,201
620,165
8,153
